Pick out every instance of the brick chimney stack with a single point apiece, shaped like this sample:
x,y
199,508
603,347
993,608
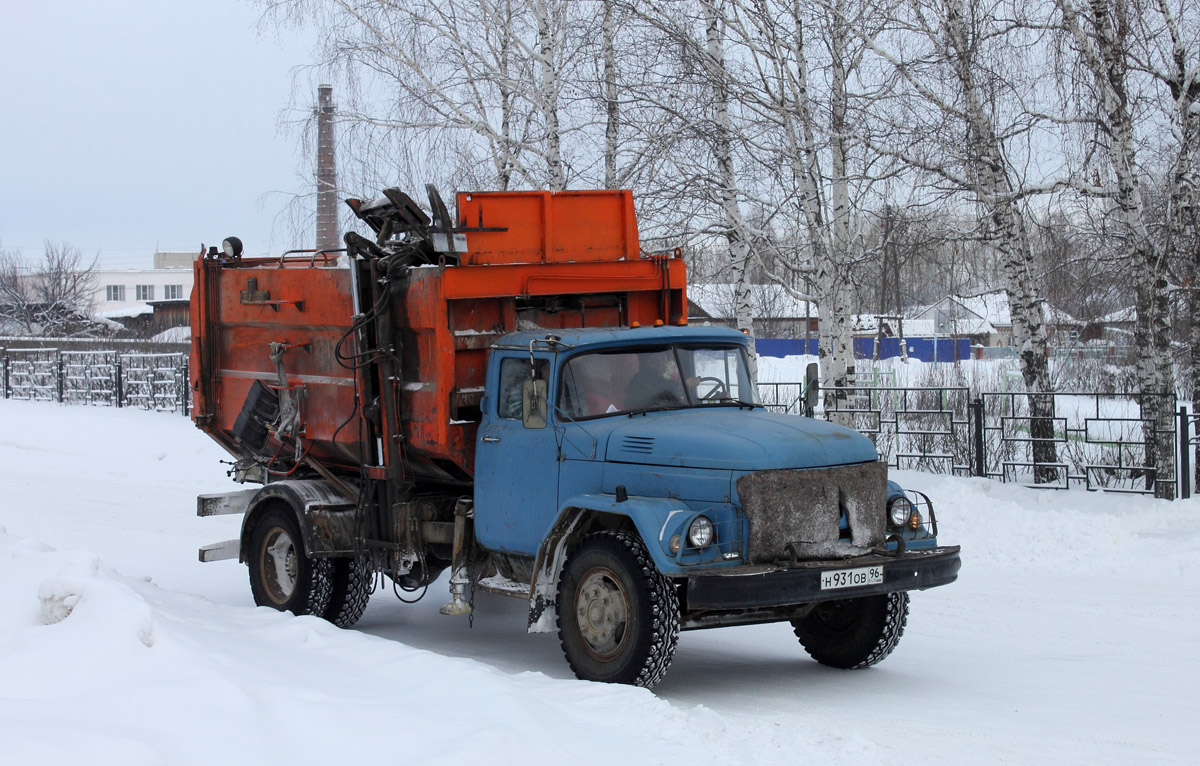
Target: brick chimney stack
x,y
328,234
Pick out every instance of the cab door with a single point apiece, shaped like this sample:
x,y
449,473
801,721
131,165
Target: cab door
x,y
516,468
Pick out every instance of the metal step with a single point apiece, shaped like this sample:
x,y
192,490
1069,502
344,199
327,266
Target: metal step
x,y
502,586
228,549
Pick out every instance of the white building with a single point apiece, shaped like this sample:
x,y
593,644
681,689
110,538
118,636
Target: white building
x,y
984,318
128,292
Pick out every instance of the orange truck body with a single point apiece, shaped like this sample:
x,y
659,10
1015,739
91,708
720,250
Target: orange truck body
x,y
567,259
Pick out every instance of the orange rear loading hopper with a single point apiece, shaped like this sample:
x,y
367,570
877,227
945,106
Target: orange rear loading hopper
x,y
554,260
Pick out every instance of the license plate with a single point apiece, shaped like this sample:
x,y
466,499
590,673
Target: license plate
x,y
851,578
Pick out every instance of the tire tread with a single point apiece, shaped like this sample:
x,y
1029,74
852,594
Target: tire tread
x,y
663,608
350,590
870,642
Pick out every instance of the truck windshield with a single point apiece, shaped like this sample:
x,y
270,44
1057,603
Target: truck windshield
x,y
653,378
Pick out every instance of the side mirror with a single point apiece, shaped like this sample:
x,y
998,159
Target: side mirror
x,y
533,404
812,388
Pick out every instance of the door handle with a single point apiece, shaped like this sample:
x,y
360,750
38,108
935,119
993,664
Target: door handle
x,y
491,439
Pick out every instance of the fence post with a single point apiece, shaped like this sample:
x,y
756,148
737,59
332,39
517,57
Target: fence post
x,y
184,389
7,387
120,384
1185,460
62,379
977,409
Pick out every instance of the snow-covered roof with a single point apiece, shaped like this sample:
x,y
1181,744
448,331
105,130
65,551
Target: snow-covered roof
x,y
988,311
110,324
919,328
952,314
993,307
865,323
772,301
174,335
131,311
893,327
1127,314
1057,316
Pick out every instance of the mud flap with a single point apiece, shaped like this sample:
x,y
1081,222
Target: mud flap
x,y
543,606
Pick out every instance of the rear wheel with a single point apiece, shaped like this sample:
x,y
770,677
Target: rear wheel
x,y
855,632
349,592
618,617
282,576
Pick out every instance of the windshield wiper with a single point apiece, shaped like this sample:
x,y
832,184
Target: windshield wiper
x,y
729,401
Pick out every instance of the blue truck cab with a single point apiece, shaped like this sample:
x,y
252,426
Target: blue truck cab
x,y
634,480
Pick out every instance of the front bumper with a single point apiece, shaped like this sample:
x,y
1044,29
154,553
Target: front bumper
x,y
768,587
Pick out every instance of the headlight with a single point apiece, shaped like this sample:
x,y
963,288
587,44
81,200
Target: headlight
x,y
700,532
900,511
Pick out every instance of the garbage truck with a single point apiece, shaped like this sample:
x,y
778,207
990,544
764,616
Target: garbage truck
x,y
510,399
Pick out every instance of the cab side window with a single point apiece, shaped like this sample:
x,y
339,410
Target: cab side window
x,y
513,372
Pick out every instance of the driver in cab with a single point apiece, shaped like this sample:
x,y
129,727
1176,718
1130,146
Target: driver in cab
x,y
657,382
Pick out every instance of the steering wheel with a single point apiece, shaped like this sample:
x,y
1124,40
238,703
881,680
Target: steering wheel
x,y
719,390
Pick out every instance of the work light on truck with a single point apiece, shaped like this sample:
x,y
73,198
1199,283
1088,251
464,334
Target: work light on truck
x,y
232,247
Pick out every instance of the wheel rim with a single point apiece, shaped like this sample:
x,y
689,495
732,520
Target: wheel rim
x,y
602,613
280,565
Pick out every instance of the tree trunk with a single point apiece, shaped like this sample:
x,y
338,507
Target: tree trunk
x,y
996,193
1183,215
555,177
1105,54
739,248
612,114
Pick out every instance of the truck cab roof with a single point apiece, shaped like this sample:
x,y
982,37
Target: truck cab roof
x,y
620,336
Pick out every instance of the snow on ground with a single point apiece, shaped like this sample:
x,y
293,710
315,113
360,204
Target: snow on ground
x,y
1070,637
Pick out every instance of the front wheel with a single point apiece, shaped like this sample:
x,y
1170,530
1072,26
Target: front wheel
x,y
618,617
282,576
853,632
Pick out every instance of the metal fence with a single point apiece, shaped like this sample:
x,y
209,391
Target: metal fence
x,y
922,429
1101,441
107,378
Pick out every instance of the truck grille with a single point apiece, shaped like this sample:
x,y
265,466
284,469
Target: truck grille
x,y
795,514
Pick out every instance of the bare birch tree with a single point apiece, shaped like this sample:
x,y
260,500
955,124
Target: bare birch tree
x,y
612,105
1109,41
722,146
1177,68
963,96
53,297
438,90
685,135
808,141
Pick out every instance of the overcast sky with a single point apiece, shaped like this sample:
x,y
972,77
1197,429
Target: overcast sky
x,y
135,125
